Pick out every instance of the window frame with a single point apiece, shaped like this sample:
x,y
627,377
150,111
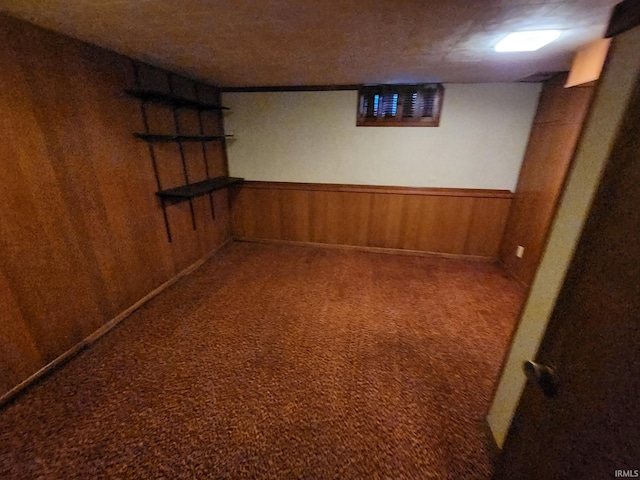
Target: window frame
x,y
379,118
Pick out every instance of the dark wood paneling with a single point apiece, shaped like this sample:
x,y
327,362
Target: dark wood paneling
x,y
82,235
557,125
447,221
488,221
625,16
19,354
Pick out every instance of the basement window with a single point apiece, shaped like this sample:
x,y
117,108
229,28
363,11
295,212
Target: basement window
x,y
400,105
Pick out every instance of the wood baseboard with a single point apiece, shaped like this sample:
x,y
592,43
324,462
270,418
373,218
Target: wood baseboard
x,y
389,251
103,330
511,275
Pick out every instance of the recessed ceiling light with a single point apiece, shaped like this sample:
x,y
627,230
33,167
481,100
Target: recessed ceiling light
x,y
526,41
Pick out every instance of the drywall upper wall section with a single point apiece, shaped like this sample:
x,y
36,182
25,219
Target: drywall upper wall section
x,y
312,137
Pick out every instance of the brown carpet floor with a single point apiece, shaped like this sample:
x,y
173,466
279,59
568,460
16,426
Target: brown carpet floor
x,y
281,362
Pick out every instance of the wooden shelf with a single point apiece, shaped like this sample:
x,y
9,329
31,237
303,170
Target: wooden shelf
x,y
172,100
173,103
197,189
155,137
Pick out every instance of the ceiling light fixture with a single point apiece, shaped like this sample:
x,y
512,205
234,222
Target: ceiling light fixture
x,y
526,41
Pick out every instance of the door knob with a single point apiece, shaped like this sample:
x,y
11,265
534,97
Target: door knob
x,y
544,375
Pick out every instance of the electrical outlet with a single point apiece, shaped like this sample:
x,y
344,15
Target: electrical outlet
x,y
520,251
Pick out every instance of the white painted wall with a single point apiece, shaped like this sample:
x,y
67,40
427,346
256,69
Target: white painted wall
x,y
312,137
612,96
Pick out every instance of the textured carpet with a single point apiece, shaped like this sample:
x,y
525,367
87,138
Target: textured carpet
x,y
281,362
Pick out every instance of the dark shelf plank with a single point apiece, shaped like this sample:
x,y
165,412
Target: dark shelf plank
x,y
172,100
156,137
199,188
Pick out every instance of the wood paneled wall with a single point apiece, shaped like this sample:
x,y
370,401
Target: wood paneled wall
x,y
557,125
82,235
446,221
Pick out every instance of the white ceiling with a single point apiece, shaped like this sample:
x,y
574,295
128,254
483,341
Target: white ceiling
x,y
326,42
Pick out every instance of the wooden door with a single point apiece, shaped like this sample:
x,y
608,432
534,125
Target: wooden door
x,y
591,428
